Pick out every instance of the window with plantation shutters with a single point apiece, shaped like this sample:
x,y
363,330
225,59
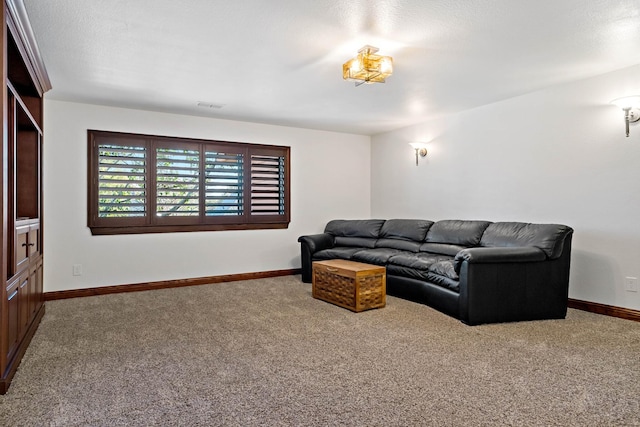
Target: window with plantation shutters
x,y
152,184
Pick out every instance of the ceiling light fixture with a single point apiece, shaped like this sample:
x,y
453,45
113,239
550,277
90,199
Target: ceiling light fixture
x,y
631,107
367,67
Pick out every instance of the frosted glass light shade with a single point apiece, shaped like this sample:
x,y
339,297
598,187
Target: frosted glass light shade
x,y
418,145
627,102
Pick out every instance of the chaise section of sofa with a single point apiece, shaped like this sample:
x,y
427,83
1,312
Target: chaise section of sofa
x,y
476,271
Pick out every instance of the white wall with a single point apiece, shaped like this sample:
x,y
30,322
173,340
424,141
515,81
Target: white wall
x,y
558,155
330,177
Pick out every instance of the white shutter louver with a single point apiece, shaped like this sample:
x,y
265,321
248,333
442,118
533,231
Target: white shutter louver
x,y
267,185
122,181
224,184
177,182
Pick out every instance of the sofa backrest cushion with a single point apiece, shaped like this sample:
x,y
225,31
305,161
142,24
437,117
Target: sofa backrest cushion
x,y
369,228
548,237
361,242
405,229
457,232
403,245
355,232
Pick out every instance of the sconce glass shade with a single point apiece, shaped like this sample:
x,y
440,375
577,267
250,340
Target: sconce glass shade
x,y
421,149
627,102
367,67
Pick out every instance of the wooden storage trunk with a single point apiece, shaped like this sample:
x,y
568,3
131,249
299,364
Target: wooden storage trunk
x,y
353,285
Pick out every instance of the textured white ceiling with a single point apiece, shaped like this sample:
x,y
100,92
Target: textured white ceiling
x,y
280,61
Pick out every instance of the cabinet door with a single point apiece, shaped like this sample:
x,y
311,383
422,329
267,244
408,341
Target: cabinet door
x,y
22,247
35,288
33,241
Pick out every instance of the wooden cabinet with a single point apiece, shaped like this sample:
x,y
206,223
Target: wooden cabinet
x,y
25,82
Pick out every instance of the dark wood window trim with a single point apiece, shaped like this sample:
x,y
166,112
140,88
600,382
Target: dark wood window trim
x,y
158,184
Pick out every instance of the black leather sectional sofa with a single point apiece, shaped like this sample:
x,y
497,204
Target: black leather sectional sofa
x,y
477,271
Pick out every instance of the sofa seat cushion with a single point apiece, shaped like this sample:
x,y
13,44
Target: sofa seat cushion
x,y
445,282
425,275
437,269
335,253
441,248
413,273
445,268
418,261
377,256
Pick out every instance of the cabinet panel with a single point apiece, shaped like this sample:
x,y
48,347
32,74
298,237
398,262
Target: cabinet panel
x,y
13,312
27,173
23,302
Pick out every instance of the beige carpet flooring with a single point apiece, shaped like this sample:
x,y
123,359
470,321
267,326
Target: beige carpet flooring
x,y
265,353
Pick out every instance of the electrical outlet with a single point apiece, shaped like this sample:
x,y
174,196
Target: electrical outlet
x,y
631,284
77,269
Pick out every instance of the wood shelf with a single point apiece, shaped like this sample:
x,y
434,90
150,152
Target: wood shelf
x,y
27,119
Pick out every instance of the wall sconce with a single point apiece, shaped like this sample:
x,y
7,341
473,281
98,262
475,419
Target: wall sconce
x,y
421,149
631,107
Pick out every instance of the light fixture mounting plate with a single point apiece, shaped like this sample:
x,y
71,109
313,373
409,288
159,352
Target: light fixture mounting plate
x,y
634,114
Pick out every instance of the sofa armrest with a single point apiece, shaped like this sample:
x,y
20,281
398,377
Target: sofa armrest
x,y
502,254
317,242
498,255
526,285
309,245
